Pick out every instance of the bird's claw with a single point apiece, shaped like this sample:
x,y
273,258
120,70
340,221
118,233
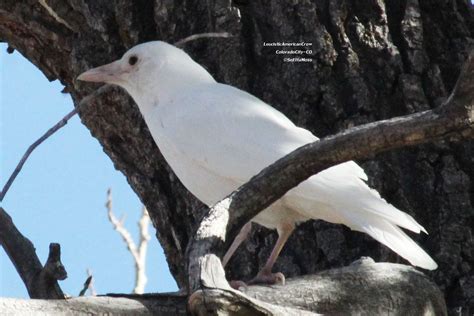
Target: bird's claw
x,y
238,285
261,278
269,279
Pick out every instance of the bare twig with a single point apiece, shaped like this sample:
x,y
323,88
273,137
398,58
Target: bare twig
x,y
141,279
92,290
86,100
194,37
138,253
86,286
118,226
32,147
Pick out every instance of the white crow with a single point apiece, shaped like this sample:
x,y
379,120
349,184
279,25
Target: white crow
x,y
216,137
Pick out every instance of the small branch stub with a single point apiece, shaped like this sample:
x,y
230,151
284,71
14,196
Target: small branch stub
x,y
41,282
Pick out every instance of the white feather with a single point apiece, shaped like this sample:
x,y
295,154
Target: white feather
x,y
394,238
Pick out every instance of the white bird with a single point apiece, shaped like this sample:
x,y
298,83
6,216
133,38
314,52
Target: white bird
x,y
216,137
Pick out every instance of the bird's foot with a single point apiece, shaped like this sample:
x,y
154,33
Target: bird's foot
x,y
261,278
268,278
238,285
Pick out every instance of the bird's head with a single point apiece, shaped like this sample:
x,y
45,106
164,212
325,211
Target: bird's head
x,y
149,68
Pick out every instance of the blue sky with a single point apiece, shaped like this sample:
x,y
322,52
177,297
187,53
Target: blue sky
x,y
59,195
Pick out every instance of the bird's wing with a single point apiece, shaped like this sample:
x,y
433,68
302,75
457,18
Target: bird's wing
x,y
346,193
232,133
235,135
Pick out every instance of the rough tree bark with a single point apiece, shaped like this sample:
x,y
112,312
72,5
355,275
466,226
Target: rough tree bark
x,y
372,60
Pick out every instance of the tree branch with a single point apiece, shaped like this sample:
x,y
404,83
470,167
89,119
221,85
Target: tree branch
x,y
452,121
91,286
166,305
194,37
86,286
32,147
118,226
138,253
140,266
363,287
46,135
40,282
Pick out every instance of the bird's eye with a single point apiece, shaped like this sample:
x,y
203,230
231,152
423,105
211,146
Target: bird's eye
x,y
132,60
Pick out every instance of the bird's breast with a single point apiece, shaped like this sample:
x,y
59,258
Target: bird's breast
x,y
201,182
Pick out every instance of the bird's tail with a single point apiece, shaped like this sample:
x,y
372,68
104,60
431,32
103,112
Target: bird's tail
x,y
394,238
343,197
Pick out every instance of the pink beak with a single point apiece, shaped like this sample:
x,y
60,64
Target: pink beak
x,y
109,73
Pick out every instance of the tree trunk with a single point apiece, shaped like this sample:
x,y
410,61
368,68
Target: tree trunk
x,y
371,60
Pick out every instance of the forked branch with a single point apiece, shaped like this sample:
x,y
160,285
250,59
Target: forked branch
x,y
138,252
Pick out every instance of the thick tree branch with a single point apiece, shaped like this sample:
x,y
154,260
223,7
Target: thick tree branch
x,y
452,121
363,288
41,282
163,305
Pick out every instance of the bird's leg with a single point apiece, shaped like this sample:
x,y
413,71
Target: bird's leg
x,y
244,232
265,275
